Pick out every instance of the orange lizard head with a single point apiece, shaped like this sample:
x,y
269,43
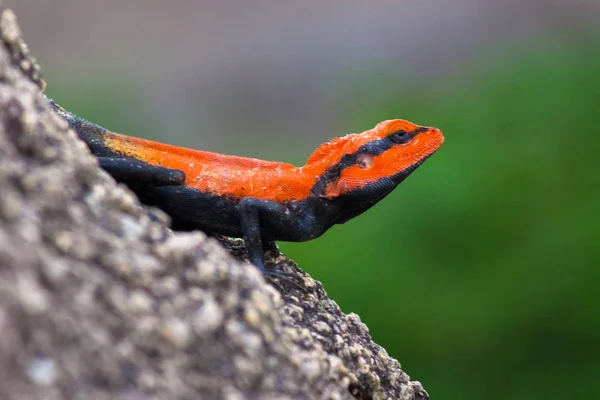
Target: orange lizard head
x,y
370,164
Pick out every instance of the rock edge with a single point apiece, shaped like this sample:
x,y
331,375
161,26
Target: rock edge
x,y
99,299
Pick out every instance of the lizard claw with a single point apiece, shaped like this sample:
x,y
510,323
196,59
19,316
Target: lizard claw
x,y
274,276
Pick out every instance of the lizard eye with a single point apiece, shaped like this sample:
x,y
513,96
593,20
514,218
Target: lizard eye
x,y
400,137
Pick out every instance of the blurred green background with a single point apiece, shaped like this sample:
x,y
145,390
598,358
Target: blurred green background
x,y
480,272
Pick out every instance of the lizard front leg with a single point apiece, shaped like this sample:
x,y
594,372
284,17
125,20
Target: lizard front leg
x,y
251,212
250,215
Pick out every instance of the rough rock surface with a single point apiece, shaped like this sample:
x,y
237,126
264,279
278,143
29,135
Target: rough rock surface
x,y
99,299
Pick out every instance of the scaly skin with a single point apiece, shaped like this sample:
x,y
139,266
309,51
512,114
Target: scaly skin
x,y
263,201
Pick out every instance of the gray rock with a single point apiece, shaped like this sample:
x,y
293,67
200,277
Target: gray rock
x,y
100,300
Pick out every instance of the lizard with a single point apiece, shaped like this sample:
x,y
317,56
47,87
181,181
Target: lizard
x,y
263,201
